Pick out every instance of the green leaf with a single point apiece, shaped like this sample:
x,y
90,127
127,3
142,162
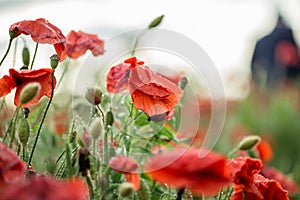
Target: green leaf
x,y
156,22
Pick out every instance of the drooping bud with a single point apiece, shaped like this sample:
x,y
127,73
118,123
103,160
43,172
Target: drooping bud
x,y
29,92
183,82
126,189
156,22
25,56
23,131
109,118
54,59
13,33
248,142
94,95
84,161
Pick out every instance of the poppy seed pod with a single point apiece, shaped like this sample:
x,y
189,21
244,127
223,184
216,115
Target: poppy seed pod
x,y
95,128
23,131
248,142
54,59
29,92
94,95
25,56
126,189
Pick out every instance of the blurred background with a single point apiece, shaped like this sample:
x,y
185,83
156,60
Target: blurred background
x,y
226,29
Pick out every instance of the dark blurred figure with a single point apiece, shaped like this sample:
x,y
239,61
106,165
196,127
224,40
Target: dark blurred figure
x,y
276,57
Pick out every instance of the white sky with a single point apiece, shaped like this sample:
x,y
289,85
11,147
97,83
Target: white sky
x,y
225,29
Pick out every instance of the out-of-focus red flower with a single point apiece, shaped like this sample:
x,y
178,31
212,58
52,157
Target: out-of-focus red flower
x,y
117,77
41,187
248,183
60,120
21,78
12,168
187,168
268,189
264,150
127,166
79,42
242,171
287,183
42,31
151,92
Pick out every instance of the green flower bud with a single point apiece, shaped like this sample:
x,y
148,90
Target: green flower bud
x,y
54,59
94,95
95,128
29,92
23,131
13,33
25,56
248,142
126,189
156,22
183,82
109,118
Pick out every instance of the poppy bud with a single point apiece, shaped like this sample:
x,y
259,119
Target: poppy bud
x,y
94,95
109,118
156,22
23,131
25,56
126,189
13,33
95,128
29,92
183,82
54,59
248,142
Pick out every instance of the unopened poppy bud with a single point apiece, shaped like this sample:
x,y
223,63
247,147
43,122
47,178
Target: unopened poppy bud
x,y
183,82
156,22
109,118
23,131
54,59
94,95
95,128
13,33
248,142
29,92
126,189
25,56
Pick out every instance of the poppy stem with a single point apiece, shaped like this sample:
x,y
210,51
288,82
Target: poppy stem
x,y
7,50
14,127
42,122
34,55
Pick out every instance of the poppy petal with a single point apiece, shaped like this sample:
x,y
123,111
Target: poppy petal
x,y
23,77
133,178
6,85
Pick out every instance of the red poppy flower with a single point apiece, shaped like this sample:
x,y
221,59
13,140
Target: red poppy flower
x,y
12,168
117,77
185,168
152,93
23,77
42,31
127,166
41,187
79,42
287,183
268,190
